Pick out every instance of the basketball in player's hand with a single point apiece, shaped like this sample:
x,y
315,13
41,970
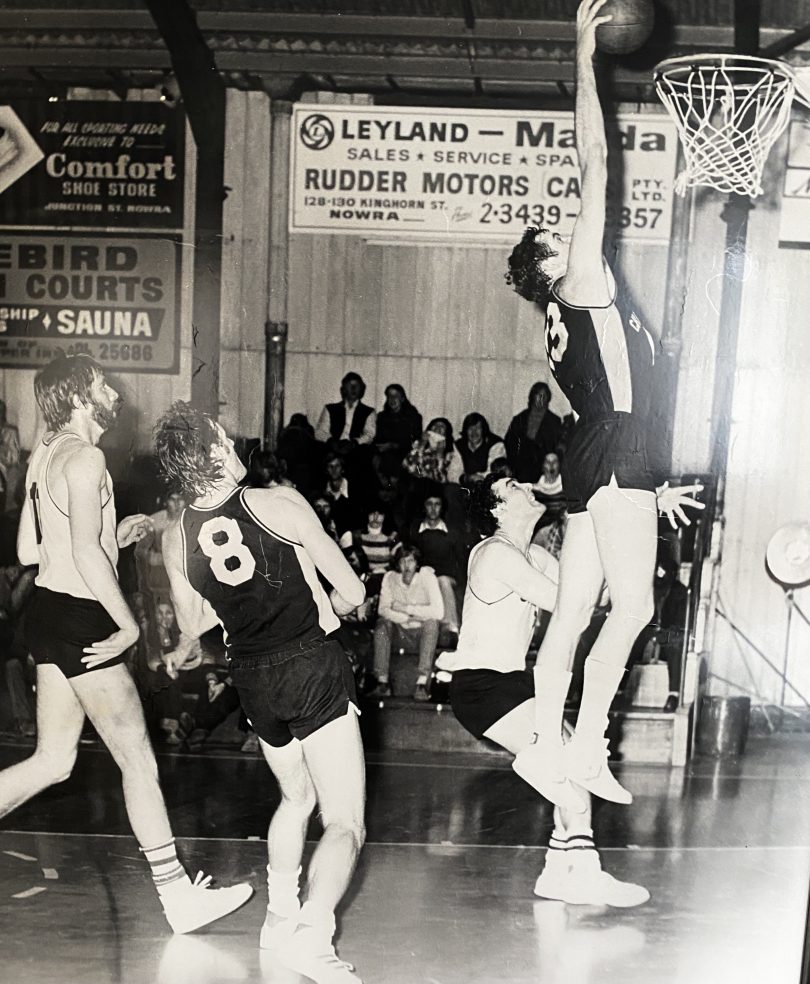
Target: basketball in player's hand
x,y
630,27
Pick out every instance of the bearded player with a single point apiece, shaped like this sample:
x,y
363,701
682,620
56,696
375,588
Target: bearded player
x,y
78,626
249,559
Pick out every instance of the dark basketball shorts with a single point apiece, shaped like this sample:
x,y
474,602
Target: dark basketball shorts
x,y
479,698
292,694
59,626
613,445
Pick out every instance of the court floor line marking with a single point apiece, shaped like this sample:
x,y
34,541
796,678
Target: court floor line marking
x,y
500,763
29,892
21,857
634,848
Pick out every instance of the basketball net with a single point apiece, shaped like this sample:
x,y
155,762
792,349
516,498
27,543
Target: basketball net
x,y
729,111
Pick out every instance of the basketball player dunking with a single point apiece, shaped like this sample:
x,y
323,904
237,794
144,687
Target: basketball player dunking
x,y
248,559
492,692
602,358
78,626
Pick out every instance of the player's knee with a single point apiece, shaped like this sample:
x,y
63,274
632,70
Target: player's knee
x,y
350,825
637,608
136,756
576,614
301,801
57,765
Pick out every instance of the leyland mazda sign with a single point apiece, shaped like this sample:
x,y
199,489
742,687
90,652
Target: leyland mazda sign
x,y
468,175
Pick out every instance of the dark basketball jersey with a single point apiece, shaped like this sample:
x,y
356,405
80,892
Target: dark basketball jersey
x,y
601,358
263,587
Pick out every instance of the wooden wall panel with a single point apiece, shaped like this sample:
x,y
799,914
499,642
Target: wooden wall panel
x,y
233,210
470,342
255,223
245,284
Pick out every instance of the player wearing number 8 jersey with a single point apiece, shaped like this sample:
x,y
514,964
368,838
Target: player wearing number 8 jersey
x,y
249,560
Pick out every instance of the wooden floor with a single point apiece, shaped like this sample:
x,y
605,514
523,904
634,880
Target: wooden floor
x,y
443,894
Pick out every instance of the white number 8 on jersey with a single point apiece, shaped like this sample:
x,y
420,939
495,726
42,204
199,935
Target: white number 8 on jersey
x,y
232,548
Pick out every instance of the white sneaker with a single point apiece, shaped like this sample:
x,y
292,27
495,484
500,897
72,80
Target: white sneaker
x,y
588,884
306,953
585,763
194,904
539,764
276,931
585,883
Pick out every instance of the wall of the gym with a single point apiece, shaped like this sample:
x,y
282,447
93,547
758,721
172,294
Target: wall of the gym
x,y
768,477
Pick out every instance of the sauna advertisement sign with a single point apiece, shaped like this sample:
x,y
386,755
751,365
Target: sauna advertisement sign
x,y
112,298
468,174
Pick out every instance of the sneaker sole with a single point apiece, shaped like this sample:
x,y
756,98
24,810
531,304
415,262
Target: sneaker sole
x,y
236,901
613,794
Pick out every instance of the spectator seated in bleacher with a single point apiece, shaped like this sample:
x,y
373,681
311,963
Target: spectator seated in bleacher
x,y
370,550
297,447
162,683
348,428
532,434
410,611
16,586
267,471
322,504
344,500
440,545
153,581
548,490
399,424
478,448
433,460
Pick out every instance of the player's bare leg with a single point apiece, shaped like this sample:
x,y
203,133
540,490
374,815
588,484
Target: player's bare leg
x,y
573,871
625,525
334,758
111,701
580,584
60,717
286,836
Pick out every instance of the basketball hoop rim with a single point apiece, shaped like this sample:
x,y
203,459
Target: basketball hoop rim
x,y
677,71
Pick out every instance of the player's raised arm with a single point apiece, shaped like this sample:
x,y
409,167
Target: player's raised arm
x,y
586,281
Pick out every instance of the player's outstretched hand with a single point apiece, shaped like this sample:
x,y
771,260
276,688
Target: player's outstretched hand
x,y
133,528
109,648
671,502
588,20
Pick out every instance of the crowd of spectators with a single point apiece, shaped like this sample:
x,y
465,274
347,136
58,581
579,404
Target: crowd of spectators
x,y
389,490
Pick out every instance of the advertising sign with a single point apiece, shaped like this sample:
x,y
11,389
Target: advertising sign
x,y
113,298
95,164
467,175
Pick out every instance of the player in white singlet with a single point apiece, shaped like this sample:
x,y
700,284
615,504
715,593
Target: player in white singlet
x,y
492,692
79,624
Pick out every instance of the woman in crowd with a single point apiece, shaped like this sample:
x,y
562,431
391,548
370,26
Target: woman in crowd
x,y
478,448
